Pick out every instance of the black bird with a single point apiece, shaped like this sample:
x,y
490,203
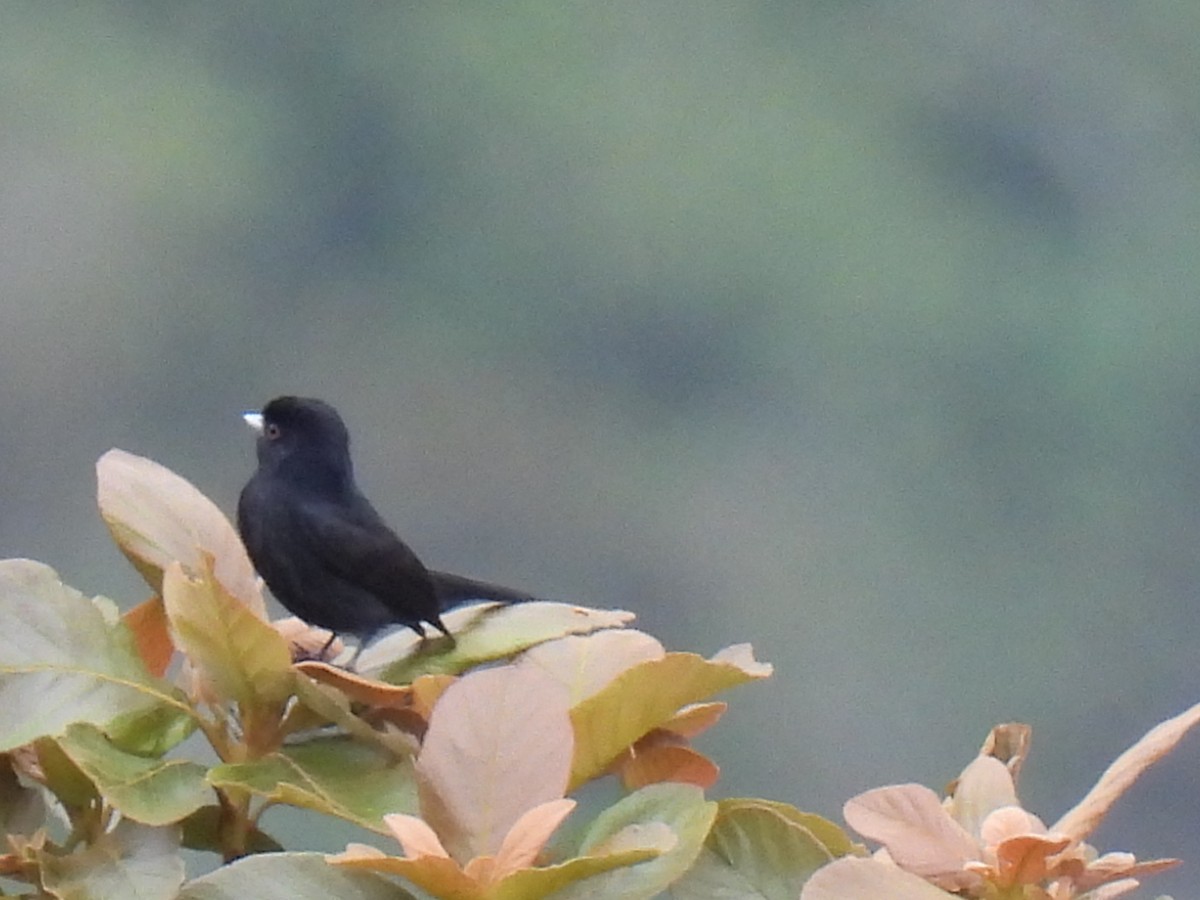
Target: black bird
x,y
319,544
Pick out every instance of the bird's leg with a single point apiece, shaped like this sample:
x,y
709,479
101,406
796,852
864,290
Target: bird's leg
x,y
437,623
348,665
329,643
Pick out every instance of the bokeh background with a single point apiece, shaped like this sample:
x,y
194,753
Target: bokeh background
x,y
866,332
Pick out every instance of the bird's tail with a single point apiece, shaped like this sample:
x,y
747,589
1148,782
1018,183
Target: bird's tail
x,y
453,590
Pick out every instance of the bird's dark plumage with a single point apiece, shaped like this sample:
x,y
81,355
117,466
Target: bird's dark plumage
x,y
319,544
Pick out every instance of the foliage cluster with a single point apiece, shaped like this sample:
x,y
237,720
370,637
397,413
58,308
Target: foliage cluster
x,y
125,738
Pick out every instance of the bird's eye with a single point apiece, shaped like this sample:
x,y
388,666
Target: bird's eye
x,y
271,430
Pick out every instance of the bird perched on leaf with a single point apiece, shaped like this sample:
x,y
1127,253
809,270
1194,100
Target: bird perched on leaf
x,y
319,544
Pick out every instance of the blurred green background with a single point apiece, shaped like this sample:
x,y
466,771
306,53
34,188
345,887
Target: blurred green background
x,y
866,332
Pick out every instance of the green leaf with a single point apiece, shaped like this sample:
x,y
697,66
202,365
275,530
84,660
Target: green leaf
x,y
290,876
332,775
60,774
150,791
157,518
646,696
65,658
202,831
241,655
483,633
22,809
833,838
151,731
753,852
131,862
682,808
543,882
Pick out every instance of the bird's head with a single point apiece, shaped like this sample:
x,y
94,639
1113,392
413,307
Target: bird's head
x,y
304,440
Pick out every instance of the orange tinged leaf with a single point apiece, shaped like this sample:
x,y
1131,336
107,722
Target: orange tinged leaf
x,y
695,719
148,622
427,690
481,870
1022,859
358,688
667,762
528,836
414,836
487,878
438,875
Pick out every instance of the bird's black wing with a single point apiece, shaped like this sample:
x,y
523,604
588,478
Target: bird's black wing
x,y
353,542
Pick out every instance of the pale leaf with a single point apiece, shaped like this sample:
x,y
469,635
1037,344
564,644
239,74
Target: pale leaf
x,y
1082,820
483,632
742,656
985,785
499,743
133,862
65,658
584,664
290,876
908,819
868,879
1009,743
157,517
1121,865
1114,889
1012,821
